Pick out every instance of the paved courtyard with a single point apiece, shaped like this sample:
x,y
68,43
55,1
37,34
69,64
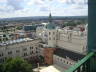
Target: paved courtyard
x,y
51,68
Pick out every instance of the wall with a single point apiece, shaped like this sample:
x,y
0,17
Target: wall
x,y
24,50
51,38
77,42
62,62
48,55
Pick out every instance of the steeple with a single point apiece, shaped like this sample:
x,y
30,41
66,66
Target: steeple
x,y
50,25
50,18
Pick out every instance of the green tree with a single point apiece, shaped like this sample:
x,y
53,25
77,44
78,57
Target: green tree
x,y
16,65
1,68
19,28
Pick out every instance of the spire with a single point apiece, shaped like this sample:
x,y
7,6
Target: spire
x,y
50,18
50,25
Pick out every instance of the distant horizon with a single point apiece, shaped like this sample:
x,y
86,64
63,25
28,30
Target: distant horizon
x,y
41,16
25,8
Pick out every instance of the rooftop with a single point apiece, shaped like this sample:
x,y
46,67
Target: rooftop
x,y
66,53
50,25
15,41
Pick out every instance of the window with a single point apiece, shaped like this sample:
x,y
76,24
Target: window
x,y
36,51
10,52
41,46
49,38
25,54
24,49
31,52
36,48
31,47
49,33
1,54
17,51
1,60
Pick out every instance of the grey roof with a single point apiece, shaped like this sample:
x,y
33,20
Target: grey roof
x,y
66,53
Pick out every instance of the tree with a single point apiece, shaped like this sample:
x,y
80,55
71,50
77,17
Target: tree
x,y
16,65
1,68
71,23
19,28
41,58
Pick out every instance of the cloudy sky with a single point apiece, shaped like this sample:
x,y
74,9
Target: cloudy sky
x,y
23,8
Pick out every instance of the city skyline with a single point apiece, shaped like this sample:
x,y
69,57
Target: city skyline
x,y
24,8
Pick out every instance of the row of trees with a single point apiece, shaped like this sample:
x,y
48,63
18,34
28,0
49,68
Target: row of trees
x,y
72,23
15,65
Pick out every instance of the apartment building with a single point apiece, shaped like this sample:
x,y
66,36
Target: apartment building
x,y
25,48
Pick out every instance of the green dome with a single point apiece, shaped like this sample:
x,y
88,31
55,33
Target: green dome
x,y
51,26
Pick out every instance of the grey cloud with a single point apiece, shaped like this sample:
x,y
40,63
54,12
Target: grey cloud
x,y
16,4
2,11
44,9
76,2
37,3
6,9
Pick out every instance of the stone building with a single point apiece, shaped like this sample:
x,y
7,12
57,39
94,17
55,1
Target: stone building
x,y
64,47
65,58
25,48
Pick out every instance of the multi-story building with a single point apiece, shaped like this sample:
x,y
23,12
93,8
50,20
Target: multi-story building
x,y
25,48
64,47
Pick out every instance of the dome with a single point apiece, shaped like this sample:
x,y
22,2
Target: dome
x,y
51,26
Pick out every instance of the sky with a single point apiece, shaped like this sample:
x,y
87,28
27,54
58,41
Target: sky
x,y
25,8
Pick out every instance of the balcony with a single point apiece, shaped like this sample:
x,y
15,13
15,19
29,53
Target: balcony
x,y
87,64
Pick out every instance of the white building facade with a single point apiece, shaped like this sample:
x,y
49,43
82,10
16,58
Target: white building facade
x,y
70,41
25,49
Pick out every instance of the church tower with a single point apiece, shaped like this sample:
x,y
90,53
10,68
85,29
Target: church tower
x,y
49,50
51,30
